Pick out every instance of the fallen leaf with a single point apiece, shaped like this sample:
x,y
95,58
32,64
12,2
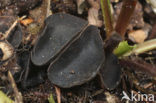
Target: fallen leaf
x,y
138,36
44,9
111,98
93,13
93,17
153,4
38,21
94,3
80,6
26,22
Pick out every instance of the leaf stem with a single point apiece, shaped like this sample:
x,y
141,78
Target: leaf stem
x,y
106,12
127,10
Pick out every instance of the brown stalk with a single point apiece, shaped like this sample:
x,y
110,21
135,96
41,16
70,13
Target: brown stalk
x,y
125,16
106,12
138,64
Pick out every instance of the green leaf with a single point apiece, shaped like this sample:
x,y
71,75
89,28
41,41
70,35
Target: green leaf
x,y
4,98
51,99
123,48
142,47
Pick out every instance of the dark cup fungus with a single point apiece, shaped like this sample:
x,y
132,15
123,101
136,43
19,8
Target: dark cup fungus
x,y
73,49
60,30
110,74
80,62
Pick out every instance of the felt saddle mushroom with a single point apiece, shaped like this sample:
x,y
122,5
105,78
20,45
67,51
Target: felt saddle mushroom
x,y
80,62
73,49
110,73
26,76
60,30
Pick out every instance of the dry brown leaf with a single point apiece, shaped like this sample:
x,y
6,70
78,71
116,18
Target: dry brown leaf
x,y
38,21
93,13
94,3
26,22
80,6
44,9
93,17
138,36
153,4
111,98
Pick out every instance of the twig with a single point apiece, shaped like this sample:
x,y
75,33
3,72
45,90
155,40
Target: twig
x,y
138,64
18,95
58,93
97,92
11,28
49,12
148,85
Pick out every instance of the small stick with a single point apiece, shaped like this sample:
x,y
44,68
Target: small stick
x,y
48,8
12,27
18,95
148,85
58,93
